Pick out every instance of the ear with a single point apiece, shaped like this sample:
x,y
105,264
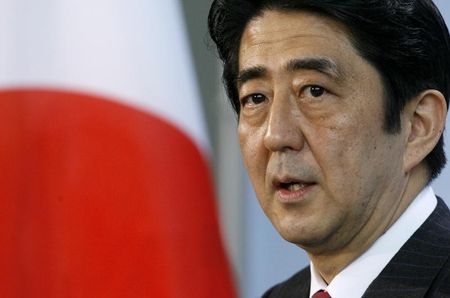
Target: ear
x,y
425,121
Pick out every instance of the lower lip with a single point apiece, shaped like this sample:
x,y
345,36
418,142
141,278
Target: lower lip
x,y
289,197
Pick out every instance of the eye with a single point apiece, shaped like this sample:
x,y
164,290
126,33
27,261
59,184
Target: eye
x,y
253,99
315,91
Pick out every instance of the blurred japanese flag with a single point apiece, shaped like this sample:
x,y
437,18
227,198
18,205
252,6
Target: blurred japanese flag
x,y
105,189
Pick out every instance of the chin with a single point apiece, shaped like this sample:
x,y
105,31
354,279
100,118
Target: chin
x,y
298,237
303,237
302,241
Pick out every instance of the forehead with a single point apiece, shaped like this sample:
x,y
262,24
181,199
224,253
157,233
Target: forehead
x,y
276,37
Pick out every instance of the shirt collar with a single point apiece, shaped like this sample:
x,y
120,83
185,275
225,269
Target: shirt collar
x,y
354,280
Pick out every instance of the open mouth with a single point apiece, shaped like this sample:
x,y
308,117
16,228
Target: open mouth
x,y
292,186
290,190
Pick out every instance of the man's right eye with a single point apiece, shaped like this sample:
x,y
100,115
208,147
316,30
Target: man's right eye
x,y
253,99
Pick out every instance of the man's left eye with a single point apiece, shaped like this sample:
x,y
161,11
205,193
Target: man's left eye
x,y
316,91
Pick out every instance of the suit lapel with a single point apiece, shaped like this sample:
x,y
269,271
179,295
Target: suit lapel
x,y
296,286
412,270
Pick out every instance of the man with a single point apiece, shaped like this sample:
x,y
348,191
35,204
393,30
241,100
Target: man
x,y
341,107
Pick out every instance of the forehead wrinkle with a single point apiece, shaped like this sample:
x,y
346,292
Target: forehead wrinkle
x,y
264,37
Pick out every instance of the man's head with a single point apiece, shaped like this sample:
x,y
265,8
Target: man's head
x,y
340,105
405,40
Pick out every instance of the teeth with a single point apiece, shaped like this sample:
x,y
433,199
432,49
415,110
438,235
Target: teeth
x,y
296,186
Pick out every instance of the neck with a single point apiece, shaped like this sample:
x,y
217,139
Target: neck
x,y
332,261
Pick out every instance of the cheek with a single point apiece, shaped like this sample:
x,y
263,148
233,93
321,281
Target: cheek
x,y
358,166
246,143
253,151
340,150
330,145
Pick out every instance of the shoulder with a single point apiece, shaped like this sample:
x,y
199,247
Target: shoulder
x,y
296,286
421,268
441,283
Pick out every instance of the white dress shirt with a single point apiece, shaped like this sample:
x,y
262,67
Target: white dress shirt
x,y
354,280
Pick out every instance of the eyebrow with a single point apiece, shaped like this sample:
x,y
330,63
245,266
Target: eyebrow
x,y
250,73
320,64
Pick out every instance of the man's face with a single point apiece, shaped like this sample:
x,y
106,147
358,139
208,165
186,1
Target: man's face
x,y
311,132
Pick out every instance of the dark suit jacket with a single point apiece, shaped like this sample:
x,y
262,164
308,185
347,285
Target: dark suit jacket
x,y
420,269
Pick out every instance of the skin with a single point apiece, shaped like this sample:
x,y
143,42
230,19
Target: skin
x,y
312,113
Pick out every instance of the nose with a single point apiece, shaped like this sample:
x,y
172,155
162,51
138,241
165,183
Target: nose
x,y
283,130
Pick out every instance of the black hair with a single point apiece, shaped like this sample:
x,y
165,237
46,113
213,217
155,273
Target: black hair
x,y
407,41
